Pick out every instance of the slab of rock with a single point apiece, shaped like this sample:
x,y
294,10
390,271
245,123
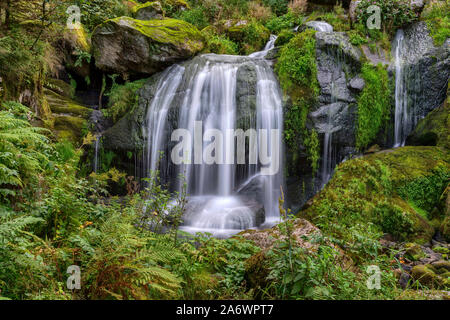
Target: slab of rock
x,y
135,47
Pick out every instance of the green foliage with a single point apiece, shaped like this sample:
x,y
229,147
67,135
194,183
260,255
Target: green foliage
x,y
356,38
123,98
279,7
95,12
251,37
20,67
284,37
221,45
194,16
297,72
394,14
373,104
296,66
425,191
436,15
24,152
286,21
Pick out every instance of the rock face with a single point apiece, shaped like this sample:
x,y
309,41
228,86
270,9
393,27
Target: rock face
x,y
427,69
135,47
338,65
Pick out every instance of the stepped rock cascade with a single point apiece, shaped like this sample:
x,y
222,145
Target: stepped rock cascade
x,y
320,26
269,46
208,94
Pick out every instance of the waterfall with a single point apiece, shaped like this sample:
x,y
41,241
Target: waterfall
x,y
269,46
96,152
402,121
200,96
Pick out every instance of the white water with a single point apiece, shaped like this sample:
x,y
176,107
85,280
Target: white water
x,y
206,89
96,152
402,121
320,26
269,46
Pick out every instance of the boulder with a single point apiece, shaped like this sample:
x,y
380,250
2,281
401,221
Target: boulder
x,y
426,275
135,47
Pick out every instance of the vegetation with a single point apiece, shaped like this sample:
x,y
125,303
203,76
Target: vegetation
x,y
374,107
125,234
394,14
297,72
438,21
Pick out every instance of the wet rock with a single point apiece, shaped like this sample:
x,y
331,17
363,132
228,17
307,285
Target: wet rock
x,y
357,84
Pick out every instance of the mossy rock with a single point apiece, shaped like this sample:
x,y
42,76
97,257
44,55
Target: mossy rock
x,y
426,276
384,192
256,272
251,36
445,228
60,87
136,47
148,11
441,250
63,105
434,129
414,252
69,128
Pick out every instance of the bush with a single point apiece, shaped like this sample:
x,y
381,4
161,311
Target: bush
x,y
279,7
194,16
95,12
287,21
395,14
221,45
284,37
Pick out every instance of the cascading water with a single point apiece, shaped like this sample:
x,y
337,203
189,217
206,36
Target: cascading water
x,y
269,46
402,121
203,95
96,152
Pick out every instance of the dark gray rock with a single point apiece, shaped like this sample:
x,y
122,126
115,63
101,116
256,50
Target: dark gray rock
x,y
357,84
149,11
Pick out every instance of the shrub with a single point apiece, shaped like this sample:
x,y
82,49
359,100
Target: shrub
x,y
194,16
394,13
287,21
279,7
221,45
259,12
284,37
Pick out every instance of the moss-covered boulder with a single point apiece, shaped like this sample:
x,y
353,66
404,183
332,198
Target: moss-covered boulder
x,y
434,129
430,276
69,118
250,35
135,47
392,191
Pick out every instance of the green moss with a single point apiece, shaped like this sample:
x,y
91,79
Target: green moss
x,y
123,98
297,72
434,129
152,4
251,36
373,104
365,198
436,15
69,128
167,31
284,37
62,105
